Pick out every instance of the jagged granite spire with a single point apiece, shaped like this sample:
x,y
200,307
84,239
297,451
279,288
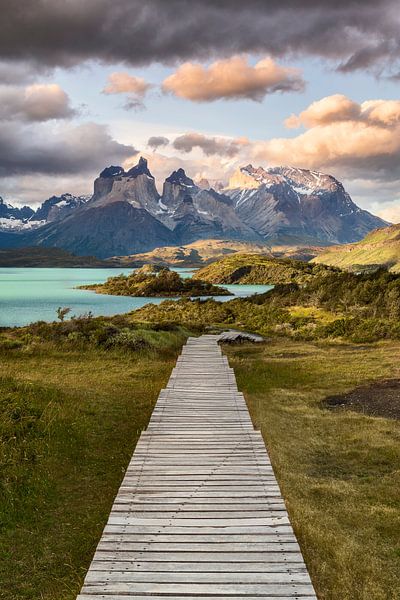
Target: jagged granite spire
x,y
179,177
140,169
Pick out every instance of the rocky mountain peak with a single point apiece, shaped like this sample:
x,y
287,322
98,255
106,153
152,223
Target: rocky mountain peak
x,y
112,172
117,180
116,171
179,177
14,218
305,181
56,208
140,169
247,178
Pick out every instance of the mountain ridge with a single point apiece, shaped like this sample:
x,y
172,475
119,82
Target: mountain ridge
x,y
127,215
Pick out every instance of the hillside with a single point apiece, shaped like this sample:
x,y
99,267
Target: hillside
x,y
325,304
380,247
204,252
46,257
153,281
256,269
196,254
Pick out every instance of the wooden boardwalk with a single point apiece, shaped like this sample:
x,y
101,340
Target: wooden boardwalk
x,y
199,514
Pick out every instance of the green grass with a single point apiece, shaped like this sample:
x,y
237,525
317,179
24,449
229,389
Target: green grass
x,y
153,280
380,247
336,305
69,422
74,397
259,269
339,470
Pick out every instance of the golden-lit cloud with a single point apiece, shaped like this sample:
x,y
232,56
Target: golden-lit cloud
x,y
123,83
136,88
328,110
232,79
355,138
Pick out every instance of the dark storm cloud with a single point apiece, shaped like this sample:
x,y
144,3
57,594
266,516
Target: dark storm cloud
x,y
80,149
157,141
209,145
354,33
17,72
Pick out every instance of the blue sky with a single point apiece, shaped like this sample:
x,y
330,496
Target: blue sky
x,y
257,120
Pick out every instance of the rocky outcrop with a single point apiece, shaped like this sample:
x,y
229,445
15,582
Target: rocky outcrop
x,y
126,213
58,207
285,203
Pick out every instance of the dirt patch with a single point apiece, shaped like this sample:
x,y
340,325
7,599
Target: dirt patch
x,y
381,399
293,355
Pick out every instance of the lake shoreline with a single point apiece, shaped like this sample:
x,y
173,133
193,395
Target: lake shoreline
x,y
34,294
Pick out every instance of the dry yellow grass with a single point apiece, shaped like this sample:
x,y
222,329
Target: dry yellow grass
x,y
339,471
69,422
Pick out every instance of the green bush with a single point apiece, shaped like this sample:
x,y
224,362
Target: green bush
x,y
131,340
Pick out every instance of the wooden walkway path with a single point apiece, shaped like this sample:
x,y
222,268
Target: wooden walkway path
x,y
199,514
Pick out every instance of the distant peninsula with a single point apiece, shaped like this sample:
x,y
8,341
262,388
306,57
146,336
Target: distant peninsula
x,y
156,281
47,258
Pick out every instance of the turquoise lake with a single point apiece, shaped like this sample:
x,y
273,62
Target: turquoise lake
x,y
31,294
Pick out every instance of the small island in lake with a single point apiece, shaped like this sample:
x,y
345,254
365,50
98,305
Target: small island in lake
x,y
154,281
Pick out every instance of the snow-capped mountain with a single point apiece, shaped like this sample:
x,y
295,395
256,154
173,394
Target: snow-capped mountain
x,y
286,202
14,219
25,219
58,207
126,213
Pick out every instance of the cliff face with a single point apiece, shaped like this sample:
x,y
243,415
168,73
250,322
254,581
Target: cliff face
x,y
108,230
126,214
283,203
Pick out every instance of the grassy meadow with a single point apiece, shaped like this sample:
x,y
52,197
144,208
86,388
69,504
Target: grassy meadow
x,y
339,470
75,395
70,415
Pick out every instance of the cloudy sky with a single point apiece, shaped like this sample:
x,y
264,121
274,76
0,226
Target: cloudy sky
x,y
207,85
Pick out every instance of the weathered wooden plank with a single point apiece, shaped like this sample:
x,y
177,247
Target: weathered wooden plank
x,y
240,577
191,567
199,513
274,524
111,545
199,557
216,589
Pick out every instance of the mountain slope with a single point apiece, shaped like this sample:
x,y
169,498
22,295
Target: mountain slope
x,y
380,247
126,214
256,269
105,231
283,203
